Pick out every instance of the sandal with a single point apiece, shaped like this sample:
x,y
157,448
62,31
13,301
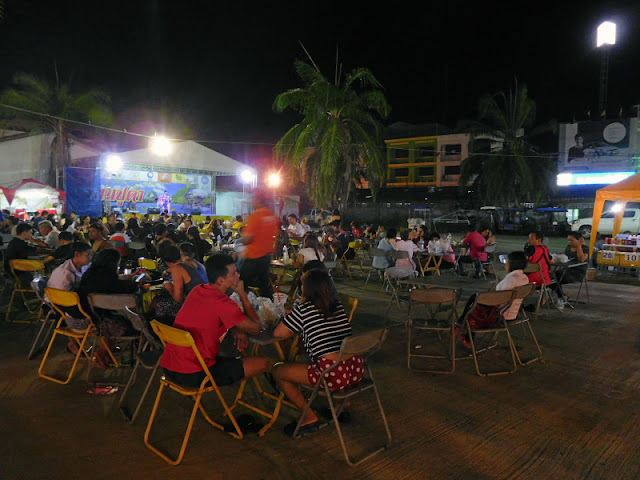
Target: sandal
x,y
304,429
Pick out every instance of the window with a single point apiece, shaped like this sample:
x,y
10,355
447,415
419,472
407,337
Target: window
x,y
629,213
401,153
426,151
401,172
455,149
607,215
452,170
426,171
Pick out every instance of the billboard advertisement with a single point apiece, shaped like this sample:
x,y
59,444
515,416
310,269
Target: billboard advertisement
x,y
144,189
597,146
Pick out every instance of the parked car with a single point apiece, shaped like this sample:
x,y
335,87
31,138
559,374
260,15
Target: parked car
x,y
599,149
630,222
452,222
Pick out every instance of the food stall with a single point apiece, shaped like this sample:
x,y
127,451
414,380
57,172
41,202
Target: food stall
x,y
29,196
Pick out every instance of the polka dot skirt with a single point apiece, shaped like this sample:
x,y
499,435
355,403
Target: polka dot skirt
x,y
346,373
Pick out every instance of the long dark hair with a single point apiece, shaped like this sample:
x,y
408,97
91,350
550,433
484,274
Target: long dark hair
x,y
316,289
311,241
104,266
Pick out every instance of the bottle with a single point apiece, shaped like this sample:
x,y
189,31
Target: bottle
x,y
285,254
421,244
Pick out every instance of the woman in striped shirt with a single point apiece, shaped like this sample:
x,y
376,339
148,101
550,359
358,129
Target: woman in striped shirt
x,y
323,324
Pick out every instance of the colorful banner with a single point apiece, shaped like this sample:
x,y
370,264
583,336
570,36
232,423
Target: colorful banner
x,y
597,146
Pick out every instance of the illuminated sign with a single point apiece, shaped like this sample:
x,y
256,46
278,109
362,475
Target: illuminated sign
x,y
567,179
120,195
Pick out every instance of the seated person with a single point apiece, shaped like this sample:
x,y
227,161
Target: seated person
x,y
323,323
576,252
208,314
341,242
22,246
406,245
97,236
50,234
476,242
311,250
64,251
442,247
295,229
186,274
385,244
202,246
120,239
538,253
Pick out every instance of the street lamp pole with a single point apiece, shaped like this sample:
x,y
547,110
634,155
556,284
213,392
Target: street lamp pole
x,y
606,37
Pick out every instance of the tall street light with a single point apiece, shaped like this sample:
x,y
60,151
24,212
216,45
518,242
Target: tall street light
x,y
606,37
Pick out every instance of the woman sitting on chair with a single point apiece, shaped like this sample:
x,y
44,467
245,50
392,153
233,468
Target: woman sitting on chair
x,y
323,324
311,251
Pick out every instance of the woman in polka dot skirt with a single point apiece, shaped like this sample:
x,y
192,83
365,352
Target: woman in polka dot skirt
x,y
322,323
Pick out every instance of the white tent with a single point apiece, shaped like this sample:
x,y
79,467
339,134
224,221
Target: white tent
x,y
187,154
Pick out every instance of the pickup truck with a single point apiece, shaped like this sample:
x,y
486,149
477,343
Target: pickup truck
x,y
630,222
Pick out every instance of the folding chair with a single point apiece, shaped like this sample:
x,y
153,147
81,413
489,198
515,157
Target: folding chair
x,y
62,301
148,264
18,267
583,281
498,302
365,344
523,319
148,358
392,275
489,250
376,252
48,321
544,292
181,338
349,302
119,304
438,321
346,262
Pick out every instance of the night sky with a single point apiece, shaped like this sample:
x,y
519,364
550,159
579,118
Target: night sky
x,y
211,70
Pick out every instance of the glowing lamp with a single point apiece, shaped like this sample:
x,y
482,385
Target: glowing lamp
x,y
273,180
113,164
606,34
616,207
160,145
247,176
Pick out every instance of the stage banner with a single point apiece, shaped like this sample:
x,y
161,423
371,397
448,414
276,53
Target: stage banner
x,y
597,146
142,190
83,191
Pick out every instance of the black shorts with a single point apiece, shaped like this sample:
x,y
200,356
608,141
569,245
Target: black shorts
x,y
225,372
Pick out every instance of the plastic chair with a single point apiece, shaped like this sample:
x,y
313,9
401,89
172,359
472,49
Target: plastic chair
x,y
500,301
19,266
48,321
61,301
349,302
523,319
444,324
181,338
365,344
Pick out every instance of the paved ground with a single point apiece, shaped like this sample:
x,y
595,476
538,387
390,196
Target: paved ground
x,y
573,416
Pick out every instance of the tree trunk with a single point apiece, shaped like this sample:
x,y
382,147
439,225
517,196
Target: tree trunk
x,y
60,154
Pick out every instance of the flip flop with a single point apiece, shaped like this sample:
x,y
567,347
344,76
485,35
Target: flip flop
x,y
304,430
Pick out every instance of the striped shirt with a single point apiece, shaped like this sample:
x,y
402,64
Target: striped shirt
x,y
321,336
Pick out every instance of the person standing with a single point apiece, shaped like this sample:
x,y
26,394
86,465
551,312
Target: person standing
x,y
259,238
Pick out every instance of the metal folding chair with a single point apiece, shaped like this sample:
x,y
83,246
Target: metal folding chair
x,y
498,302
62,301
544,292
349,303
583,281
182,338
376,252
365,344
346,262
440,305
521,293
393,274
48,321
489,250
21,285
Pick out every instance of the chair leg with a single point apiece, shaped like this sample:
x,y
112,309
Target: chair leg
x,y
81,351
535,340
36,346
474,353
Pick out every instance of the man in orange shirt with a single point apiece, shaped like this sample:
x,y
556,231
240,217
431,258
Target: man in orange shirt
x,y
259,237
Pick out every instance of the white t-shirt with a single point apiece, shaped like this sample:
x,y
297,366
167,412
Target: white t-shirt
x,y
514,279
296,229
310,254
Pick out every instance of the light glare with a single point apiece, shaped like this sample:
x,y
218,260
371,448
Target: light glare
x,y
160,145
616,207
606,34
247,176
113,164
273,180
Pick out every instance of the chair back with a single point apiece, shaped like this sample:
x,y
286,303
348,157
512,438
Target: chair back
x,y
26,265
398,254
495,299
148,263
523,291
61,299
490,248
353,244
364,344
434,296
377,252
122,303
136,246
349,302
180,338
532,268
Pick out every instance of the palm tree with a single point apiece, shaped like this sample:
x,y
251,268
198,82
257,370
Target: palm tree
x,y
516,170
336,144
50,106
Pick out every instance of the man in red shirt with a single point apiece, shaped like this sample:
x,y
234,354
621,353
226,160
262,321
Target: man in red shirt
x,y
259,237
538,253
208,314
476,242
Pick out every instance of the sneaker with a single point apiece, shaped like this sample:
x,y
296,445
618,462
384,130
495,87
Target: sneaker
x,y
560,303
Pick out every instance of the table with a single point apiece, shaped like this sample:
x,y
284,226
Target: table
x,y
432,262
265,338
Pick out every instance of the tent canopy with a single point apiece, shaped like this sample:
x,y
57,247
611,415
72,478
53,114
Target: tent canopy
x,y
30,187
187,154
627,190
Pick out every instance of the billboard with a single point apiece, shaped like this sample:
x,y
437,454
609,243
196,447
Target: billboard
x,y
597,146
144,189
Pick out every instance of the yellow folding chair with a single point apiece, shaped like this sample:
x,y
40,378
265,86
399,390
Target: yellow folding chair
x,y
182,338
346,262
148,264
62,301
18,267
349,302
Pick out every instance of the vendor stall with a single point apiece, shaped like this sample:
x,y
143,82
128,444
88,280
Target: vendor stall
x,y
29,196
